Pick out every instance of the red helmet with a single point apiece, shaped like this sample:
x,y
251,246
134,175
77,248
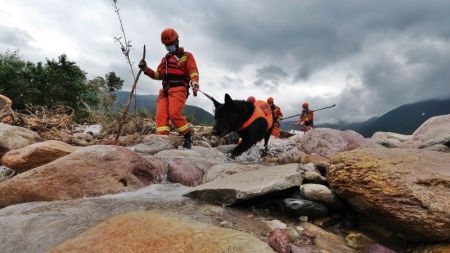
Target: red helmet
x,y
251,99
270,100
305,105
168,36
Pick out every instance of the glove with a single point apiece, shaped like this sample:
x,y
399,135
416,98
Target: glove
x,y
142,65
195,88
302,122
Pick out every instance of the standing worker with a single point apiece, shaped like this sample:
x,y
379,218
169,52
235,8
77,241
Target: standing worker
x,y
306,118
277,116
177,71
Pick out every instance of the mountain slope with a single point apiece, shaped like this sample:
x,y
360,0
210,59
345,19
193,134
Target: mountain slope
x,y
148,102
407,118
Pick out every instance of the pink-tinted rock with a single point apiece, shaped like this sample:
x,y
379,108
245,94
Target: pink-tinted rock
x,y
89,171
279,240
377,248
434,134
327,142
184,172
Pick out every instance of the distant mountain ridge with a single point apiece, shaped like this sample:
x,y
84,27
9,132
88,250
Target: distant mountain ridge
x,y
148,102
404,119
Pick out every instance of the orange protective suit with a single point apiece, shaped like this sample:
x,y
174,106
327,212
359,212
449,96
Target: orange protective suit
x,y
277,116
175,71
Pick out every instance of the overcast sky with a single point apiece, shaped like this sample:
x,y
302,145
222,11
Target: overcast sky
x,y
368,57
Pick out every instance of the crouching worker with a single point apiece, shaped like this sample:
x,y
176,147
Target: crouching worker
x,y
177,71
306,120
277,117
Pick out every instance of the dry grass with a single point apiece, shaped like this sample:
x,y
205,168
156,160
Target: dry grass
x,y
134,124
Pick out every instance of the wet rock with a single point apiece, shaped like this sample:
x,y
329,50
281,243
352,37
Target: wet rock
x,y
291,156
90,171
320,193
390,140
226,169
141,231
358,241
279,241
154,144
275,224
36,155
301,207
307,167
6,173
48,224
404,189
248,184
183,172
13,137
327,142
434,134
314,178
325,240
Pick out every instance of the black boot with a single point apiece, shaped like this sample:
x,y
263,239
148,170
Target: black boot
x,y
187,143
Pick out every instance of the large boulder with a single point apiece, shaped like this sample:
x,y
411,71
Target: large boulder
x,y
154,232
90,171
36,155
248,184
327,142
405,189
390,140
434,134
13,137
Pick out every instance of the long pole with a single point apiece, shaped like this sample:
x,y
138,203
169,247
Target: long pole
x,y
296,115
130,97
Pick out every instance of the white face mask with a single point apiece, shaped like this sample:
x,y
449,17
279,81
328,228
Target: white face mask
x,y
171,48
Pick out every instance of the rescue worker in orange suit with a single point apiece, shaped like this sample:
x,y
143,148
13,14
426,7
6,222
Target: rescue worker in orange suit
x,y
306,120
177,71
277,116
251,99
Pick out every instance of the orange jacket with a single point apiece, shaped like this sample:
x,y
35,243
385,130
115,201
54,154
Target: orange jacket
x,y
307,115
276,112
262,110
182,63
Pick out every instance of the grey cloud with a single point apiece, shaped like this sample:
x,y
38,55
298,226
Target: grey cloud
x,y
269,77
14,37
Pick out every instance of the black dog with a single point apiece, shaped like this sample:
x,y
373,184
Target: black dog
x,y
253,122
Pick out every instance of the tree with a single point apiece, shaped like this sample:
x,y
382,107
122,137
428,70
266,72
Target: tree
x,y
59,82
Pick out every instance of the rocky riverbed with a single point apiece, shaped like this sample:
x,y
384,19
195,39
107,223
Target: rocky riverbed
x,y
325,191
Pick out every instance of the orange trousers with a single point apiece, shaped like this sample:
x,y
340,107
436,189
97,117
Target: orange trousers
x,y
170,107
276,131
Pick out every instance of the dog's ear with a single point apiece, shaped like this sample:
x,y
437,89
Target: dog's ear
x,y
216,104
228,100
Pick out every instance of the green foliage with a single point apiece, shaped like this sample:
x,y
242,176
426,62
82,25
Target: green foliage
x,y
55,82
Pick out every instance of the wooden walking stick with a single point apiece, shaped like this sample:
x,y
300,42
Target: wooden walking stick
x,y
130,97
